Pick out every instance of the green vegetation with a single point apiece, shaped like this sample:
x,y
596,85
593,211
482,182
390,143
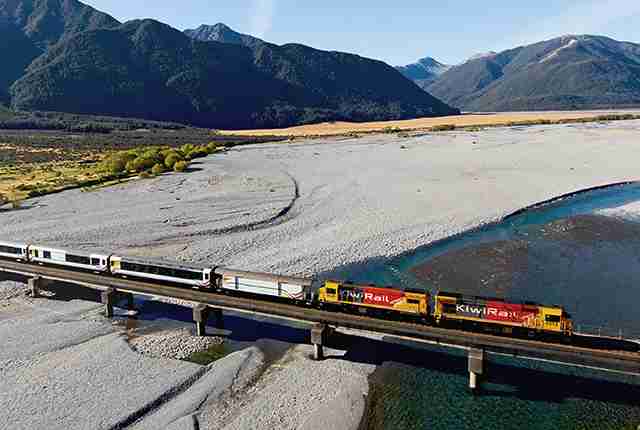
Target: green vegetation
x,y
180,166
154,160
119,72
33,169
443,127
207,357
599,118
391,130
158,169
5,114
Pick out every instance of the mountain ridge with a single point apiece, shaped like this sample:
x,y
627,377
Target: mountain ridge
x,y
148,69
221,33
424,71
567,72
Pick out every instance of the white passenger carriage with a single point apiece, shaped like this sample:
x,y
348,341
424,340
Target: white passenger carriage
x,y
161,270
15,251
60,257
262,284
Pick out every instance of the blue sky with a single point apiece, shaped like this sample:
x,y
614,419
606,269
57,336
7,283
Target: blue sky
x,y
397,32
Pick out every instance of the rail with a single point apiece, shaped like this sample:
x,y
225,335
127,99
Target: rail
x,y
607,359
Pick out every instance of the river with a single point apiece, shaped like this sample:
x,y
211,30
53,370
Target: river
x,y
569,252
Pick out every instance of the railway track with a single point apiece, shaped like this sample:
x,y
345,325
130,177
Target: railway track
x,y
620,356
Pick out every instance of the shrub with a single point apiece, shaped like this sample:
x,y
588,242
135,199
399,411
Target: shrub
x,y
180,166
116,164
140,164
443,127
153,154
187,148
212,147
157,169
391,130
198,152
171,159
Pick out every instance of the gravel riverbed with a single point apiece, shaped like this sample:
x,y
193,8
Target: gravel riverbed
x,y
293,208
303,208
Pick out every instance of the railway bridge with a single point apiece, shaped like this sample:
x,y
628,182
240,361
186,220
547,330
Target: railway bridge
x,y
615,357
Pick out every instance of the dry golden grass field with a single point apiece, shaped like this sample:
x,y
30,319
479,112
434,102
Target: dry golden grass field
x,y
425,124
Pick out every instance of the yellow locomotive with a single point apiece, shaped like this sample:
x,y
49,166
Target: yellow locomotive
x,y
500,315
388,300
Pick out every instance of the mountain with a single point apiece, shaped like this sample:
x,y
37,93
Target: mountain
x,y
482,55
568,72
424,72
28,27
223,34
45,22
147,69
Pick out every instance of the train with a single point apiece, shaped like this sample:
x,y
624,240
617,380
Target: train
x,y
444,309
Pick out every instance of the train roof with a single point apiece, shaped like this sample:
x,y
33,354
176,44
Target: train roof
x,y
495,299
387,287
83,252
264,276
14,244
160,262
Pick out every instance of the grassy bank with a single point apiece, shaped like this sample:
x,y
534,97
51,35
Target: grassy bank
x,y
204,358
464,122
27,172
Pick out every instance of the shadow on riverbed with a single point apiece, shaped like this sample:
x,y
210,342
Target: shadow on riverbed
x,y
528,380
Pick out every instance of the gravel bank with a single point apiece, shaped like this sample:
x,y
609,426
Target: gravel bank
x,y
368,197
62,366
176,344
297,393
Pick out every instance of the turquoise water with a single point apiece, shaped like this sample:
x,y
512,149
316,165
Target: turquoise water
x,y
566,253
588,276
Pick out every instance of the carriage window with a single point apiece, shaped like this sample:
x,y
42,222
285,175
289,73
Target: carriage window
x,y
46,254
95,261
79,259
413,301
10,250
552,318
331,291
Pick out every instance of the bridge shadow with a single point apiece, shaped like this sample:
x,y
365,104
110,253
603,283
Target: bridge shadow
x,y
526,382
545,383
532,381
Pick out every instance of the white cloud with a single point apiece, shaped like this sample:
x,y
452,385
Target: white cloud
x,y
583,17
262,17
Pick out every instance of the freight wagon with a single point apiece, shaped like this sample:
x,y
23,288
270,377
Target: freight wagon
x,y
499,315
375,299
285,287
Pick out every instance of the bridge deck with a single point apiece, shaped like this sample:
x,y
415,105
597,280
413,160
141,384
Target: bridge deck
x,y
615,360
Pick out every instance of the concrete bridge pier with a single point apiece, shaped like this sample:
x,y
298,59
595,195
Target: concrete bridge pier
x,y
108,297
319,333
477,366
35,284
201,315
